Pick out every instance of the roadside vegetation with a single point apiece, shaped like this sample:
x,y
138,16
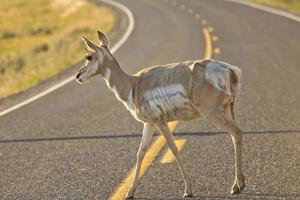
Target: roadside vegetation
x,y
39,39
292,6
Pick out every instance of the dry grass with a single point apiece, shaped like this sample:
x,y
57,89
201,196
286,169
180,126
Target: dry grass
x,y
292,6
39,39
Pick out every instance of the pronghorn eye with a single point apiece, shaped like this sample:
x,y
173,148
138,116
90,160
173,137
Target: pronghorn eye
x,y
88,57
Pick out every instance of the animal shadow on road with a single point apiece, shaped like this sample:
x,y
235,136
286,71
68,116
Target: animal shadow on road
x,y
241,196
133,135
244,195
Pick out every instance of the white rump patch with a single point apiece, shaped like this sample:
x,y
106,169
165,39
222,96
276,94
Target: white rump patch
x,y
218,73
235,87
165,99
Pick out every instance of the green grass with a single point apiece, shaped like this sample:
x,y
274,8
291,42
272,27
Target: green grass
x,y
39,39
292,6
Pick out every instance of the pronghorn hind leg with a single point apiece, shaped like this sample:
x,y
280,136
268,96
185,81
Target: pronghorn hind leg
x,y
239,182
223,118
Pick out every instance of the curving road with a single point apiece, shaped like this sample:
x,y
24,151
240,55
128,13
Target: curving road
x,y
80,143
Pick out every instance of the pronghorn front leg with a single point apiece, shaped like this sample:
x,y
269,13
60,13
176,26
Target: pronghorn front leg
x,y
145,142
164,129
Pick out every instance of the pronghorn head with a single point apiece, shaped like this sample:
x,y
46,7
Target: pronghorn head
x,y
95,58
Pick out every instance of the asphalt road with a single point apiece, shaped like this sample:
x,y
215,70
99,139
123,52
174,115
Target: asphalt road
x,y
79,142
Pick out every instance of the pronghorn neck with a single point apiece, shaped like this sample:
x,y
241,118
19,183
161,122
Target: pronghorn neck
x,y
118,81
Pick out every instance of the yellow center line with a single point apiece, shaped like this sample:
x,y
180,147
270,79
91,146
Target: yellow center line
x,y
149,158
210,29
156,147
208,42
182,7
215,38
173,125
217,51
169,156
197,16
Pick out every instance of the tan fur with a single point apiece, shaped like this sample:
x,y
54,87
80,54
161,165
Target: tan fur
x,y
173,92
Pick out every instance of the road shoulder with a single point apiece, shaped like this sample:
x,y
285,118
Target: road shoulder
x,y
119,29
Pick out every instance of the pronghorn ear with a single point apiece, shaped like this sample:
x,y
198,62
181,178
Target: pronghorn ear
x,y
103,39
89,43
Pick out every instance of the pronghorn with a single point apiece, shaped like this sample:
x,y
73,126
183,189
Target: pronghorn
x,y
162,94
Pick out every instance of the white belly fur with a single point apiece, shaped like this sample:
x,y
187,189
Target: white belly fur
x,y
167,100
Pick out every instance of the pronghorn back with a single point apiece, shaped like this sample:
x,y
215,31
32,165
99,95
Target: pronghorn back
x,y
172,91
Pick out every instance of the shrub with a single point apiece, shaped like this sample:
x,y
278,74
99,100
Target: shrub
x,y
41,48
8,35
41,31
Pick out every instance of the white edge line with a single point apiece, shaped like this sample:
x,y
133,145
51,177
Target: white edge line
x,y
72,78
267,9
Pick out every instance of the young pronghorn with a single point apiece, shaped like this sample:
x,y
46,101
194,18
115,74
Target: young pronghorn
x,y
173,92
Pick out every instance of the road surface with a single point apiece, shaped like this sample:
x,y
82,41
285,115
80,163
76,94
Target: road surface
x,y
79,142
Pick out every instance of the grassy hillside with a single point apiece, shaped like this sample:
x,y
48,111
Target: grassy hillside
x,y
39,39
292,6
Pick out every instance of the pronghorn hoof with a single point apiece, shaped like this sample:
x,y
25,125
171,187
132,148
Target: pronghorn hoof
x,y
234,190
129,197
238,186
237,189
187,195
